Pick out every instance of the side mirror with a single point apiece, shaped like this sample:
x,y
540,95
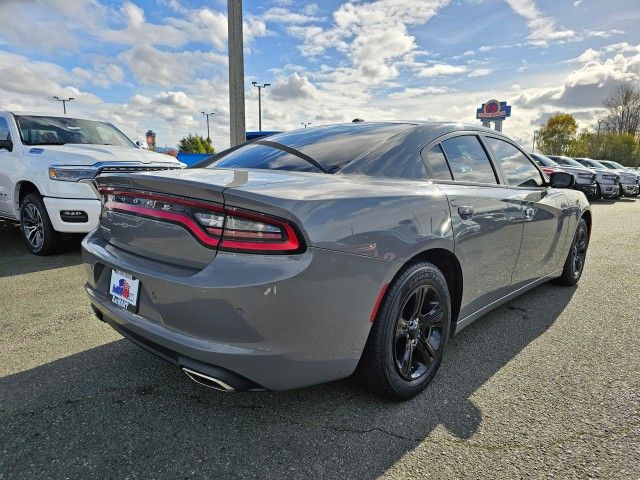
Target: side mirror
x,y
138,144
561,180
6,145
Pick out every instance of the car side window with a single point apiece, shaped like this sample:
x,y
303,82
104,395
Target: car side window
x,y
468,160
518,169
4,130
436,163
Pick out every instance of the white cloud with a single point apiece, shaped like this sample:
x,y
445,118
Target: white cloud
x,y
287,16
373,35
412,93
480,72
542,29
152,66
293,87
439,69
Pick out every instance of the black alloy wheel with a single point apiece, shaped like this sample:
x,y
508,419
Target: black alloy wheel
x,y
419,336
409,335
574,264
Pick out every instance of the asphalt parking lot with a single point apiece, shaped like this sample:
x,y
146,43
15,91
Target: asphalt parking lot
x,y
546,386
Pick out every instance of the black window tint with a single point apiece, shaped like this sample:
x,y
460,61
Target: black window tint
x,y
437,167
520,172
334,146
468,160
264,157
4,130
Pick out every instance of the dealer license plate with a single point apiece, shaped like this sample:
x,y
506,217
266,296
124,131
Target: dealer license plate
x,y
124,290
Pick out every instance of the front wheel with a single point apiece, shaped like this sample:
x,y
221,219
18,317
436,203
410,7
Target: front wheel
x,y
409,335
36,228
574,264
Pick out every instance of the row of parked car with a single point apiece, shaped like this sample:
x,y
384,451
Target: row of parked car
x,y
596,178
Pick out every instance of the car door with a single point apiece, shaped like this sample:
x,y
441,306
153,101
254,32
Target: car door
x,y
6,184
486,217
544,212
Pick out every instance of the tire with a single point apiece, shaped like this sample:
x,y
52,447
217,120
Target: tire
x,y
404,349
598,193
36,228
574,264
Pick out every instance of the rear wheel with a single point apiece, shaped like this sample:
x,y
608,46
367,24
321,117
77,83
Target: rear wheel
x,y
409,335
574,264
36,228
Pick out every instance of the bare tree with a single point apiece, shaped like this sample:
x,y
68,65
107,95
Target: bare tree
x,y
623,106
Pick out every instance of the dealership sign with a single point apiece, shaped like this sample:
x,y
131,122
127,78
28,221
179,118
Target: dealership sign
x,y
493,110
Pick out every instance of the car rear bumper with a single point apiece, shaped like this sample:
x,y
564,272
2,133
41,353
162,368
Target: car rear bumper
x,y
277,321
65,223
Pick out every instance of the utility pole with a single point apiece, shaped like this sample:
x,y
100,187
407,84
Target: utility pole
x,y
598,138
306,124
64,102
208,115
236,73
260,87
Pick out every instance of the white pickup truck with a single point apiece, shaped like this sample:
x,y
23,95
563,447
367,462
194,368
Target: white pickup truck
x,y
47,170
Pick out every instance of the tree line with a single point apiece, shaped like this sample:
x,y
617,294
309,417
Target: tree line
x,y
615,136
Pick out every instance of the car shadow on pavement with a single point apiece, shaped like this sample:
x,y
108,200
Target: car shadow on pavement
x,y
116,411
16,259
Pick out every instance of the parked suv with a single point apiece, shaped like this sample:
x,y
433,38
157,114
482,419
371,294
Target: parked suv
x,y
585,178
603,173
607,181
629,180
47,170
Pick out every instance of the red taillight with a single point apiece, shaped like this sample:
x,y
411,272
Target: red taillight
x,y
215,226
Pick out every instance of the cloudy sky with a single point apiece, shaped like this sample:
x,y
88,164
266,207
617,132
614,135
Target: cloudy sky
x,y
157,64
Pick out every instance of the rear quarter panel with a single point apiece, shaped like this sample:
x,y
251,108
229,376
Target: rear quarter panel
x,y
386,219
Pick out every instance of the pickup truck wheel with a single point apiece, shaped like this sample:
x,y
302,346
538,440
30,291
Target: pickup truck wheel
x,y
36,228
574,265
409,334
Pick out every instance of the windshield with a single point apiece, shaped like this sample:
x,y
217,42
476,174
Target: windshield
x,y
566,161
596,164
60,130
544,160
615,165
609,165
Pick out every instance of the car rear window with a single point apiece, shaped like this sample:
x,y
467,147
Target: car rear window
x,y
331,147
264,157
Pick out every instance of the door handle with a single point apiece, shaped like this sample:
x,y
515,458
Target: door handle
x,y
465,211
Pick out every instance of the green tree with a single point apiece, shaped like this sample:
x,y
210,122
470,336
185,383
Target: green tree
x,y
558,134
193,143
620,147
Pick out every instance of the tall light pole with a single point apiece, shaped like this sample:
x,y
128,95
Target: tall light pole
x,y
305,124
535,136
260,87
236,73
208,115
64,102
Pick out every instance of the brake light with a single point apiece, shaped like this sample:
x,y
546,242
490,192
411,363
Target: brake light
x,y
215,226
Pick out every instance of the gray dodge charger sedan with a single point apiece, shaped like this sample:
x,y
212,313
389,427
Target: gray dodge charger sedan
x,y
323,252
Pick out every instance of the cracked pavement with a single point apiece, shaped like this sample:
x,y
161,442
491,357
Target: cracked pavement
x,y
547,386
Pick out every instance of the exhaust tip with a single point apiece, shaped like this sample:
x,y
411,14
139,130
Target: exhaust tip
x,y
208,381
